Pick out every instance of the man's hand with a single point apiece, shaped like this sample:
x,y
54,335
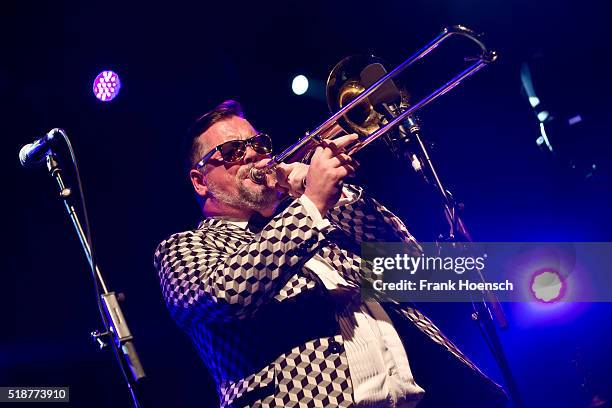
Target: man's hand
x,y
290,178
329,166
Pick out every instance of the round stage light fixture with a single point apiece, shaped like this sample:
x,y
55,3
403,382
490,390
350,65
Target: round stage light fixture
x,y
106,86
547,286
299,85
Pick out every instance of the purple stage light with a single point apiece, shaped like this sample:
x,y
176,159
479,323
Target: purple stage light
x,y
106,86
547,286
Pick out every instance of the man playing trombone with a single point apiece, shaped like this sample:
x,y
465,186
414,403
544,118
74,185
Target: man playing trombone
x,y
269,293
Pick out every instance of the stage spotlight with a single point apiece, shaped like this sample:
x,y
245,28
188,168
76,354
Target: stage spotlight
x,y
106,86
547,286
299,85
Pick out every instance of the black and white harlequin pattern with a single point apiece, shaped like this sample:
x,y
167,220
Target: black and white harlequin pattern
x,y
260,319
201,279
297,385
366,220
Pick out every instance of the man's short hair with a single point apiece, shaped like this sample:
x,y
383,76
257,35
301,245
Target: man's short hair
x,y
222,111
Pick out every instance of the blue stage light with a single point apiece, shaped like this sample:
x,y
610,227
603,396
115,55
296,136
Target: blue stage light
x,y
547,286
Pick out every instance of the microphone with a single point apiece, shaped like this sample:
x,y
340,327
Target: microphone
x,y
387,93
33,154
387,98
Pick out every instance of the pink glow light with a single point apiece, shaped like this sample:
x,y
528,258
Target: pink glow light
x,y
106,86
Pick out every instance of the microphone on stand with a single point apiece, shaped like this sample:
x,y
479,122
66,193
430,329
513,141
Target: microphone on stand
x,y
387,101
34,154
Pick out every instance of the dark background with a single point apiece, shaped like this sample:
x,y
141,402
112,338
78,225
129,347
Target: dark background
x,y
176,60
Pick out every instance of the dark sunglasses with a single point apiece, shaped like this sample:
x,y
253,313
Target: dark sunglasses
x,y
235,150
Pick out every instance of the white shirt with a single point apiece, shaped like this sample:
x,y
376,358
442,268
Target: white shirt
x,y
378,363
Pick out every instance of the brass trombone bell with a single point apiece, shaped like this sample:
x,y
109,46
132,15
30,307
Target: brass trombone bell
x,y
344,84
363,117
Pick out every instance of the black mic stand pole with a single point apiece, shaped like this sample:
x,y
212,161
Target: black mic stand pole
x,y
116,331
489,309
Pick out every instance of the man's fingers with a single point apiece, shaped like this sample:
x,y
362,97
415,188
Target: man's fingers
x,y
282,173
341,142
344,171
345,159
335,130
318,152
342,160
261,163
336,146
280,188
297,182
290,176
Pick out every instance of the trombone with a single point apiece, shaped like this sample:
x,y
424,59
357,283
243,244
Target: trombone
x,y
327,127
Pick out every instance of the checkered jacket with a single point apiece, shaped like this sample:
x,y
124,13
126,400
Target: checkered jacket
x,y
262,321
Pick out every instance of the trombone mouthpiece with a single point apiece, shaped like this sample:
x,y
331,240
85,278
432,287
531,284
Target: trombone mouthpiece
x,y
257,175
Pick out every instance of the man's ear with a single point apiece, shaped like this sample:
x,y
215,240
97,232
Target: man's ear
x,y
199,183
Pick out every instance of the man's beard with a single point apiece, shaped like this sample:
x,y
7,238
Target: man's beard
x,y
254,198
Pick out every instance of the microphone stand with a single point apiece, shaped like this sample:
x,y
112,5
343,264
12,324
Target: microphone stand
x,y
116,332
489,310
